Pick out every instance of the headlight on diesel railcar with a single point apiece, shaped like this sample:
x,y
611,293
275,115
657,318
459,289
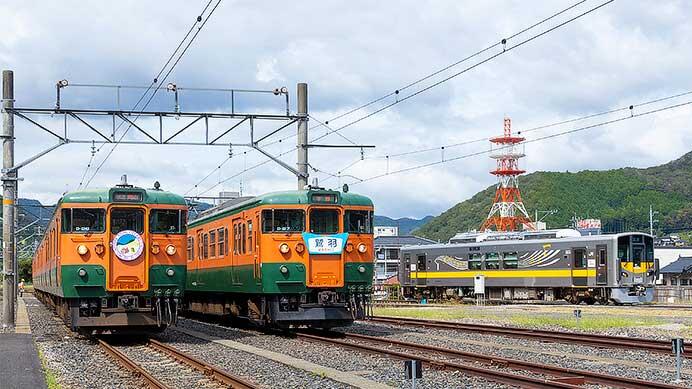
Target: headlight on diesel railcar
x,y
624,274
300,248
362,248
284,249
100,249
170,249
82,249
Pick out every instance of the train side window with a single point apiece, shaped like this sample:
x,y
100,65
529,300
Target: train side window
x,y
475,261
190,248
225,238
602,257
510,260
242,238
212,243
200,246
205,245
579,258
249,236
221,241
492,261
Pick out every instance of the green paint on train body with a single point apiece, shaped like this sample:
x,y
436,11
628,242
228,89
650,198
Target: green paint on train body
x,y
93,285
105,195
242,279
293,197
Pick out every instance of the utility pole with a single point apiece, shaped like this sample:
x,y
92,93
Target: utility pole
x,y
8,199
651,219
302,164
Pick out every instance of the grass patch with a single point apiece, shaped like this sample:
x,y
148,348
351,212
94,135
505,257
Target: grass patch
x,y
585,323
435,313
51,380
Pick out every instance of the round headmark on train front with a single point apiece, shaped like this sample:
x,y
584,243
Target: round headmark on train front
x,y
128,245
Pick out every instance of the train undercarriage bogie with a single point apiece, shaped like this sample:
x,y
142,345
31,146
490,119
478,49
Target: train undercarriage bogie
x,y
317,309
117,314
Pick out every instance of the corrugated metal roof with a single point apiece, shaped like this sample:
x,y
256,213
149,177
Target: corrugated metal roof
x,y
404,240
680,265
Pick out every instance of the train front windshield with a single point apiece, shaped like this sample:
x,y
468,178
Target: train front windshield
x,y
635,249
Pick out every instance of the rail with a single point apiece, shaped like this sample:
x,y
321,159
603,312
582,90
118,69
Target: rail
x,y
660,346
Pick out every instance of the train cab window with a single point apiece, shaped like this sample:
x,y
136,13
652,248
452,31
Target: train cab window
x,y
492,261
510,260
221,241
83,220
127,219
324,221
359,222
637,254
190,248
624,249
212,243
283,220
167,221
475,261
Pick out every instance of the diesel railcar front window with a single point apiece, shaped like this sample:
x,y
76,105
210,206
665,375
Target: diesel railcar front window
x,y
359,222
167,221
624,249
324,221
637,255
83,220
127,219
283,220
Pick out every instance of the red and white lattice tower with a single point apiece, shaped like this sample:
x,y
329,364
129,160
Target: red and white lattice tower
x,y
508,212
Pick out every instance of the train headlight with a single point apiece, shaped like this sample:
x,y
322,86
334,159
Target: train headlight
x,y
170,272
362,248
624,274
283,269
284,249
155,249
82,249
361,269
100,249
170,249
300,248
349,247
82,272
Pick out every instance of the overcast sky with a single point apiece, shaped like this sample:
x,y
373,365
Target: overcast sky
x,y
350,53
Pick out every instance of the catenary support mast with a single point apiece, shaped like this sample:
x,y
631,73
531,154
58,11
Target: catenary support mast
x,y
302,161
9,180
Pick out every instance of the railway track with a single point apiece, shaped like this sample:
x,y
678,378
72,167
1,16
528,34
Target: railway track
x,y
660,346
551,376
222,378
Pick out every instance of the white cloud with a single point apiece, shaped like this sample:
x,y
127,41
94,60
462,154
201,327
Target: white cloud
x,y
351,53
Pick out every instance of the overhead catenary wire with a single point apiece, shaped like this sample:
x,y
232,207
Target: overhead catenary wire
x,y
435,73
448,78
486,151
156,79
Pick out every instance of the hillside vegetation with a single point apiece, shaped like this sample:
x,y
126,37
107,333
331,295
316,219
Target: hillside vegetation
x,y
619,197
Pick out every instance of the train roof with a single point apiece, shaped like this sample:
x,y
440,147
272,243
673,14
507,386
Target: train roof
x,y
588,238
106,195
290,197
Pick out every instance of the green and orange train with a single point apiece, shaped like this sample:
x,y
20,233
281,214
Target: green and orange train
x,y
283,259
114,259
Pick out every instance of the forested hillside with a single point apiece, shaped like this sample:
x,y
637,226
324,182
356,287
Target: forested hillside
x,y
620,198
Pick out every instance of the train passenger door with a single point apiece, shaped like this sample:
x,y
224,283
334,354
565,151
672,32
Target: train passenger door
x,y
579,269
406,273
602,265
420,268
128,269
